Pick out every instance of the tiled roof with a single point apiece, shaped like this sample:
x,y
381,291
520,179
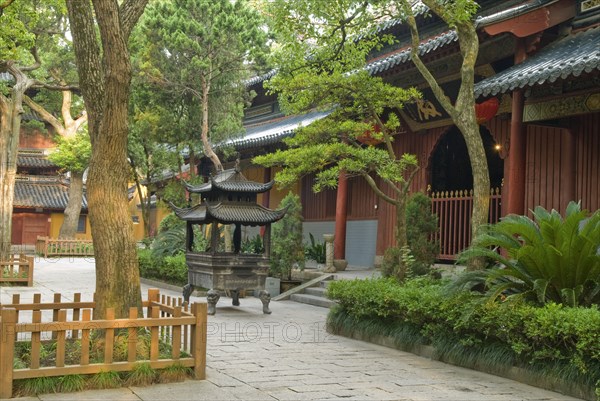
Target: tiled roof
x,y
273,132
566,57
34,161
401,57
231,180
225,212
47,195
511,12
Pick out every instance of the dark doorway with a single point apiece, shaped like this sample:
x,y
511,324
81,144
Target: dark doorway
x,y
451,167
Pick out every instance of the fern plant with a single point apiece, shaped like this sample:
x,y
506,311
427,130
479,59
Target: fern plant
x,y
316,250
547,259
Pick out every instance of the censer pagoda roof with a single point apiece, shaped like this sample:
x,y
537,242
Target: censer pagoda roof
x,y
229,213
231,180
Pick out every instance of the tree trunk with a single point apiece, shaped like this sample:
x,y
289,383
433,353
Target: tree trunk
x,y
10,128
8,169
401,237
68,229
105,88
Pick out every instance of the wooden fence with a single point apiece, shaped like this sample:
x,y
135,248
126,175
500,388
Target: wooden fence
x,y
62,247
454,209
166,321
17,270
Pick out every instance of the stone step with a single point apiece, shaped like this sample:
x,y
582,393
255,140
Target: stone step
x,y
318,291
312,300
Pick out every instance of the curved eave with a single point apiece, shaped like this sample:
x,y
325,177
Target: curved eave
x,y
570,56
196,189
251,214
196,214
248,186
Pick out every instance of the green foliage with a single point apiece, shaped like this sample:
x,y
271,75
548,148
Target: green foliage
x,y
253,245
106,379
548,259
142,375
36,386
287,248
187,52
316,250
170,222
174,373
171,269
421,226
71,383
72,154
562,341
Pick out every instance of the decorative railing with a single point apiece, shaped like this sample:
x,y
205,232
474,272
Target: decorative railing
x,y
61,247
454,209
17,270
168,324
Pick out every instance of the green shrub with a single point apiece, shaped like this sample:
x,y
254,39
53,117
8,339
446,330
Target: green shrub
x,y
549,259
316,250
171,269
561,340
287,248
253,245
421,226
149,265
174,269
170,222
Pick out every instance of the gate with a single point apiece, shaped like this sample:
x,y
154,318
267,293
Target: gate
x,y
453,209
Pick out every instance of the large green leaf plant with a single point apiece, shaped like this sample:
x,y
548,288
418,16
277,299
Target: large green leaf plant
x,y
547,259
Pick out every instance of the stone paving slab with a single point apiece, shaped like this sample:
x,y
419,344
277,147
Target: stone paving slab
x,y
285,356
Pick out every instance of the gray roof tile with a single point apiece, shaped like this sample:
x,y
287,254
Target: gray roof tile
x,y
225,212
231,180
46,195
34,161
570,56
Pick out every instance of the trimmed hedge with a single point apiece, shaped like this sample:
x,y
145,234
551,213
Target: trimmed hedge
x,y
560,341
170,269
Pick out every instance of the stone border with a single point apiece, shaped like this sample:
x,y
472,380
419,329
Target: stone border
x,y
517,374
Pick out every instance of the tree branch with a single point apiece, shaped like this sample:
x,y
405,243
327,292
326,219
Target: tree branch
x,y
377,190
45,115
130,11
414,53
37,62
5,5
40,84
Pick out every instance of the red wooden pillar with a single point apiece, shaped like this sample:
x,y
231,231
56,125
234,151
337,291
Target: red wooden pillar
x,y
518,147
341,209
568,168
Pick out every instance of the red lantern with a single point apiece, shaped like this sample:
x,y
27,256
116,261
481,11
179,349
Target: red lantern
x,y
367,136
484,111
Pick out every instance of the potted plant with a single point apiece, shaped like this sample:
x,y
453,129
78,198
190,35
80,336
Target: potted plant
x,y
287,248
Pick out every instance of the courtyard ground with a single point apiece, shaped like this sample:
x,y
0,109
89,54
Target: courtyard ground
x,y
284,356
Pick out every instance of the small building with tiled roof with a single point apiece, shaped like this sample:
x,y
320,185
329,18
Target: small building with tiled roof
x,y
41,192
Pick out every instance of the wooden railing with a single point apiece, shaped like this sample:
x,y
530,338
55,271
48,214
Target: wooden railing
x,y
454,209
17,270
63,247
169,321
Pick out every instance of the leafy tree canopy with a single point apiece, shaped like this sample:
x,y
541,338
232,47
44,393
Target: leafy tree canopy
x,y
197,53
72,154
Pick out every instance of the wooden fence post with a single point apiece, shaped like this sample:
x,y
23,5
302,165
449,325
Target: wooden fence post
x,y
153,296
30,261
8,336
199,310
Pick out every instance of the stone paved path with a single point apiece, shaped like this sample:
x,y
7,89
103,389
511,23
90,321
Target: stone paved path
x,y
286,356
